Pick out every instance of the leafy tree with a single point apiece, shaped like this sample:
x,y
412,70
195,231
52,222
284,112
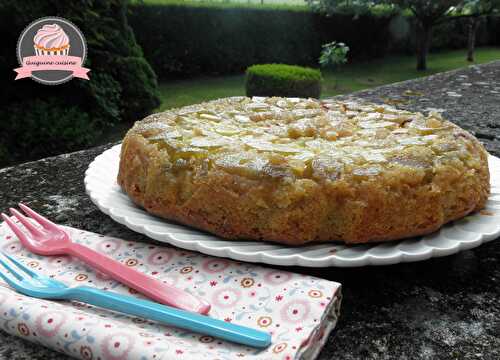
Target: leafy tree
x,y
333,55
476,11
428,14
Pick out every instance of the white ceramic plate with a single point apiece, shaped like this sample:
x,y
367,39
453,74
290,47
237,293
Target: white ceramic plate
x,y
472,231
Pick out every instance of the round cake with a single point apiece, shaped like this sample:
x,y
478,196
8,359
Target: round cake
x,y
296,171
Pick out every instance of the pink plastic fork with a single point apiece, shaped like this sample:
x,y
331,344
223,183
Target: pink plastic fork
x,y
50,239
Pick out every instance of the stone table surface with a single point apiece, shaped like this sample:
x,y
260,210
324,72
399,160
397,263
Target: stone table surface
x,y
446,308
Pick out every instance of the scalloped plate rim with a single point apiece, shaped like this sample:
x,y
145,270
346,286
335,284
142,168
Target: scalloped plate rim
x,y
101,192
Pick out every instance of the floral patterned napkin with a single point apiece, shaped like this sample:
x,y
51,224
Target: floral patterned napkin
x,y
298,310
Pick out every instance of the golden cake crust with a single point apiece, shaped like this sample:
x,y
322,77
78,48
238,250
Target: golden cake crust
x,y
299,170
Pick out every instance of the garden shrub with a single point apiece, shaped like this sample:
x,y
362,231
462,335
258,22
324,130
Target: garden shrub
x,y
122,85
136,101
45,126
282,80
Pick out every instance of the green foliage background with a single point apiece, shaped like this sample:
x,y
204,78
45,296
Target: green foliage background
x,y
182,41
39,120
188,40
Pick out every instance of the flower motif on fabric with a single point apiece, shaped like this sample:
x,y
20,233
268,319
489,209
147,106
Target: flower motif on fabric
x,y
295,311
49,323
206,339
215,265
247,282
186,270
12,247
279,347
33,264
264,321
59,261
86,353
315,293
23,329
117,346
160,257
81,277
226,297
131,262
277,277
109,246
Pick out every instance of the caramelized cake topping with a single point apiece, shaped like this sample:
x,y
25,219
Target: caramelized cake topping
x,y
303,138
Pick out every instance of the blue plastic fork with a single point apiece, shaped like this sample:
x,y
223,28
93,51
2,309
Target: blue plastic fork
x,y
28,282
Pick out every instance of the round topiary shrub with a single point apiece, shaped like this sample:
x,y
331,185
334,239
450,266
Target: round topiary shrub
x,y
282,80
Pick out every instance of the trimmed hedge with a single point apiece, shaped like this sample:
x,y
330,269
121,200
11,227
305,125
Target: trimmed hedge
x,y
282,80
183,41
40,120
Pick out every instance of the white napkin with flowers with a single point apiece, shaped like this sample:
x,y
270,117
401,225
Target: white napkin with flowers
x,y
298,310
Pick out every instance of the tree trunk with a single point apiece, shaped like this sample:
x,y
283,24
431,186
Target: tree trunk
x,y
471,39
424,35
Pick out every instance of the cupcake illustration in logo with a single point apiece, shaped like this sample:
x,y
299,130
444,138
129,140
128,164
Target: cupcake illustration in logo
x,y
51,51
51,39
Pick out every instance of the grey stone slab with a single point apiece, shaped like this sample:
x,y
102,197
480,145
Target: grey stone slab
x,y
444,308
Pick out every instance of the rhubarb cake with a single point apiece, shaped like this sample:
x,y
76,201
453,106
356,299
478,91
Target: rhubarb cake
x,y
296,171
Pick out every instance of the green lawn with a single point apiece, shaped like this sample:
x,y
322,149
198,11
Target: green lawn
x,y
351,78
